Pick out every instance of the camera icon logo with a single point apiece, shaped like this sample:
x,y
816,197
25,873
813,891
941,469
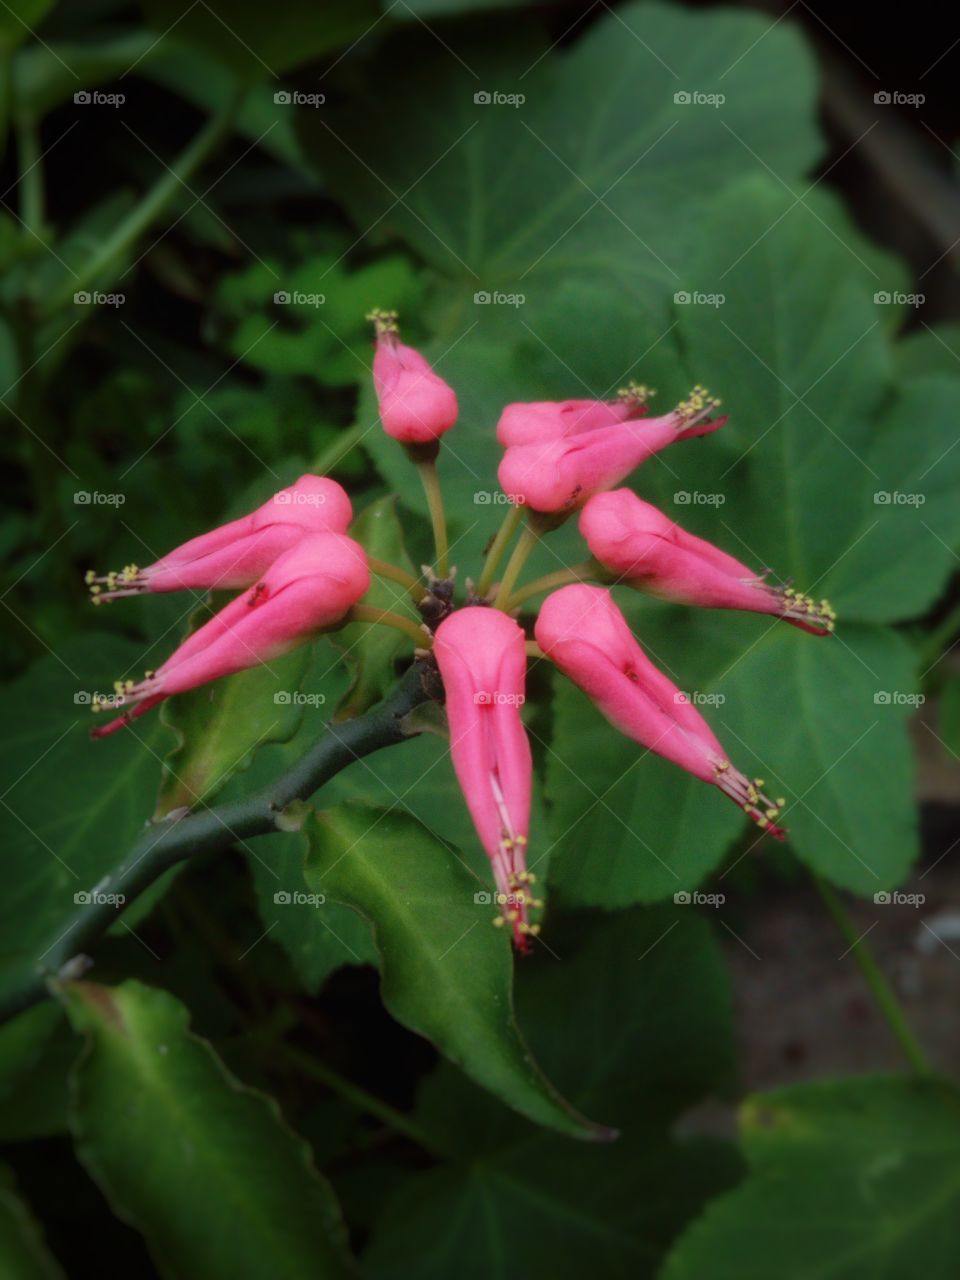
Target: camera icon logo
x,y
882,698
882,99
682,498
81,698
682,898
482,298
82,498
882,899
682,98
82,299
282,698
682,298
283,97
482,698
82,98
881,498
282,299
882,298
482,98
82,899
282,898
483,898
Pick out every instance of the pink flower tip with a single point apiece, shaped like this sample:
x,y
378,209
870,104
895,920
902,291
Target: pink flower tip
x,y
236,554
583,632
482,659
308,590
416,405
558,454
645,549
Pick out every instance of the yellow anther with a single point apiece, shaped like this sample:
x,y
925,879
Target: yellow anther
x,y
95,590
90,576
498,922
118,686
513,915
534,929
780,802
772,813
149,675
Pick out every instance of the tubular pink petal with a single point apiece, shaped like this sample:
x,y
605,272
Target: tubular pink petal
x,y
416,405
648,551
482,659
584,633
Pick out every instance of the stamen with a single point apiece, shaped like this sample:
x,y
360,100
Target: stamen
x,y
698,405
384,322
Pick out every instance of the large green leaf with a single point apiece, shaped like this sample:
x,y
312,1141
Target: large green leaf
x,y
851,1180
221,726
72,807
446,972
632,1015
807,714
227,1190
37,1050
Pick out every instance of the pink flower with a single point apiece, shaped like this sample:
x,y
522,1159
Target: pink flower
x,y
557,455
237,554
648,551
308,590
482,658
584,633
416,405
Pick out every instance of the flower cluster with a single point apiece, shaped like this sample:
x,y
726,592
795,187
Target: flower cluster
x,y
300,574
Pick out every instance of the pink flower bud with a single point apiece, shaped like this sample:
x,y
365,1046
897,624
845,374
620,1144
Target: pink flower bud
x,y
558,455
237,554
416,405
307,591
648,551
583,632
482,658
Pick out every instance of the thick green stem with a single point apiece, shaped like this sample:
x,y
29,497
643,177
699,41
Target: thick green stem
x,y
184,835
880,989
438,518
383,569
32,201
171,181
587,571
525,544
358,1097
386,618
506,531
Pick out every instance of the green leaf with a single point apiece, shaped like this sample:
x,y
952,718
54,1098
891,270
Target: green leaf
x,y
446,972
252,42
72,807
37,1050
633,1014
495,194
950,715
23,1254
228,1190
44,75
221,726
17,25
850,1179
372,651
